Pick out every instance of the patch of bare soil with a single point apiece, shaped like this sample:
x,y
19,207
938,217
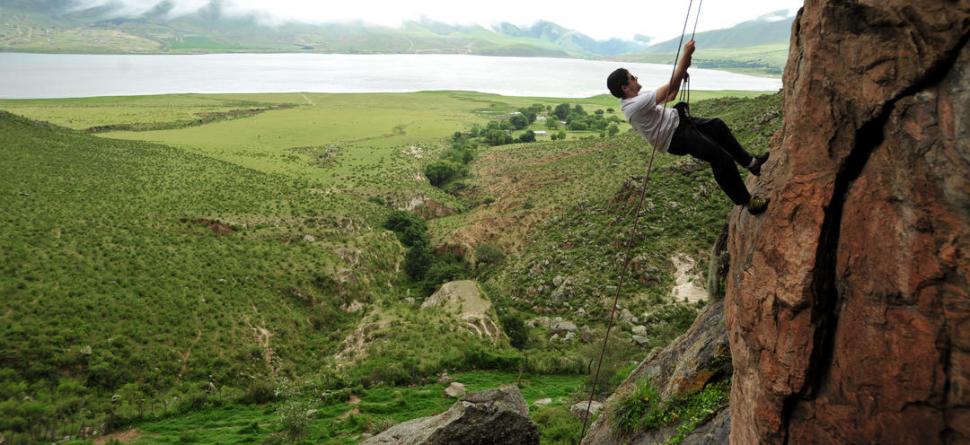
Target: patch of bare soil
x,y
121,436
514,183
216,226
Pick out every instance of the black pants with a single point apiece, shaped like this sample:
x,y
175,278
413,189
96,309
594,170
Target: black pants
x,y
711,140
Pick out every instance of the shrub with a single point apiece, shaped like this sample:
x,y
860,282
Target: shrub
x,y
417,261
409,228
440,172
515,328
488,253
528,136
444,269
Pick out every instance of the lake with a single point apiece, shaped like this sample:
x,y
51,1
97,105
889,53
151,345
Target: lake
x,y
79,75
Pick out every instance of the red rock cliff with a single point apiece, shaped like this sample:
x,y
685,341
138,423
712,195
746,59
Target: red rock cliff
x,y
847,308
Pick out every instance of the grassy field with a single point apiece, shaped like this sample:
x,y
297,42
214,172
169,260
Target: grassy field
x,y
346,417
203,265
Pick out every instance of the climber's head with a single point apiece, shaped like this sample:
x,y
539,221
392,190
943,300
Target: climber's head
x,y
622,84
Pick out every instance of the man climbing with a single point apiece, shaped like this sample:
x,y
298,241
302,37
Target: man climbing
x,y
674,131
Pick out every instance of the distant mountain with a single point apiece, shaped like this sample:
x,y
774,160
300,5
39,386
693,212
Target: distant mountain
x,y
574,41
768,29
58,26
758,46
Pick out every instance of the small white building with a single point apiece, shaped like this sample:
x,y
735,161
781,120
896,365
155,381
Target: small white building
x,y
540,132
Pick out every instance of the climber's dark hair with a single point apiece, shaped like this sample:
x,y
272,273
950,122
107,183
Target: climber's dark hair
x,y
617,80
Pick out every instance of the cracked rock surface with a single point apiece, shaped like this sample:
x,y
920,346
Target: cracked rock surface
x,y
848,301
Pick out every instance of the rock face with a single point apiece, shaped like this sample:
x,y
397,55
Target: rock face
x,y
495,416
847,302
687,364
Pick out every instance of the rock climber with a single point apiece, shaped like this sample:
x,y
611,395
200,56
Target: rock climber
x,y
674,131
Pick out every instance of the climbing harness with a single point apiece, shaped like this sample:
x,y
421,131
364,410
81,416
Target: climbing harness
x,y
636,214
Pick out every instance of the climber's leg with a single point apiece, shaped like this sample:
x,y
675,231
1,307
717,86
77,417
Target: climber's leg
x,y
688,140
719,132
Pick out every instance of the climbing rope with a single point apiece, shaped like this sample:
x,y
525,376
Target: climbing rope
x,y
685,85
636,220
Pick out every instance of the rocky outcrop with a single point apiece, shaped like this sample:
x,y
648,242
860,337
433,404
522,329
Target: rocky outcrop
x,y
696,358
495,416
847,302
471,307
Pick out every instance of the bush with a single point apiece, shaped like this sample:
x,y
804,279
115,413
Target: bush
x,y
528,136
637,410
515,328
488,253
417,261
444,269
440,172
409,228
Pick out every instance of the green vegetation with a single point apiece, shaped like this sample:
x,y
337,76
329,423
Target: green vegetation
x,y
176,287
642,409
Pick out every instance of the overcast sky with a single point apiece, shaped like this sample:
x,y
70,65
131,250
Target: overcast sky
x,y
658,19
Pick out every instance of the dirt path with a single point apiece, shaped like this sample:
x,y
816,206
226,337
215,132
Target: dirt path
x,y
686,288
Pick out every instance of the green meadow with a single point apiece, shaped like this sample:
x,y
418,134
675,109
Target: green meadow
x,y
183,265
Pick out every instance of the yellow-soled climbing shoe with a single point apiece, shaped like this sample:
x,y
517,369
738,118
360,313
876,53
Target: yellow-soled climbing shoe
x,y
757,205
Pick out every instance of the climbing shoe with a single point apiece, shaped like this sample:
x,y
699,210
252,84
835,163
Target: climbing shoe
x,y
757,205
755,167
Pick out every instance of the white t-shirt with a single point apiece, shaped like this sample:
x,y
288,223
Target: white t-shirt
x,y
655,124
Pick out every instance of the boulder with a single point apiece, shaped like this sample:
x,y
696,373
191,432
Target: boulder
x,y
639,330
496,416
847,301
641,339
455,390
579,408
698,357
562,326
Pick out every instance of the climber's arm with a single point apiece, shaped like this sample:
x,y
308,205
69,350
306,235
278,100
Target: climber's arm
x,y
668,92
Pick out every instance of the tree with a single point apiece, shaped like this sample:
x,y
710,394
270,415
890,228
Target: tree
x,y
497,137
417,261
599,112
613,130
440,172
578,125
562,111
610,110
519,121
562,135
529,114
528,136
409,228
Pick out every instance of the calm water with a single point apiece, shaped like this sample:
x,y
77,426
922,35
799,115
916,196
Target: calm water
x,y
62,75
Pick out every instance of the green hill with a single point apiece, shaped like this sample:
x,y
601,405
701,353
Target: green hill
x,y
757,46
197,290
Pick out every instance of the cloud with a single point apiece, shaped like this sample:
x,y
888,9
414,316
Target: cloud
x,y
654,18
